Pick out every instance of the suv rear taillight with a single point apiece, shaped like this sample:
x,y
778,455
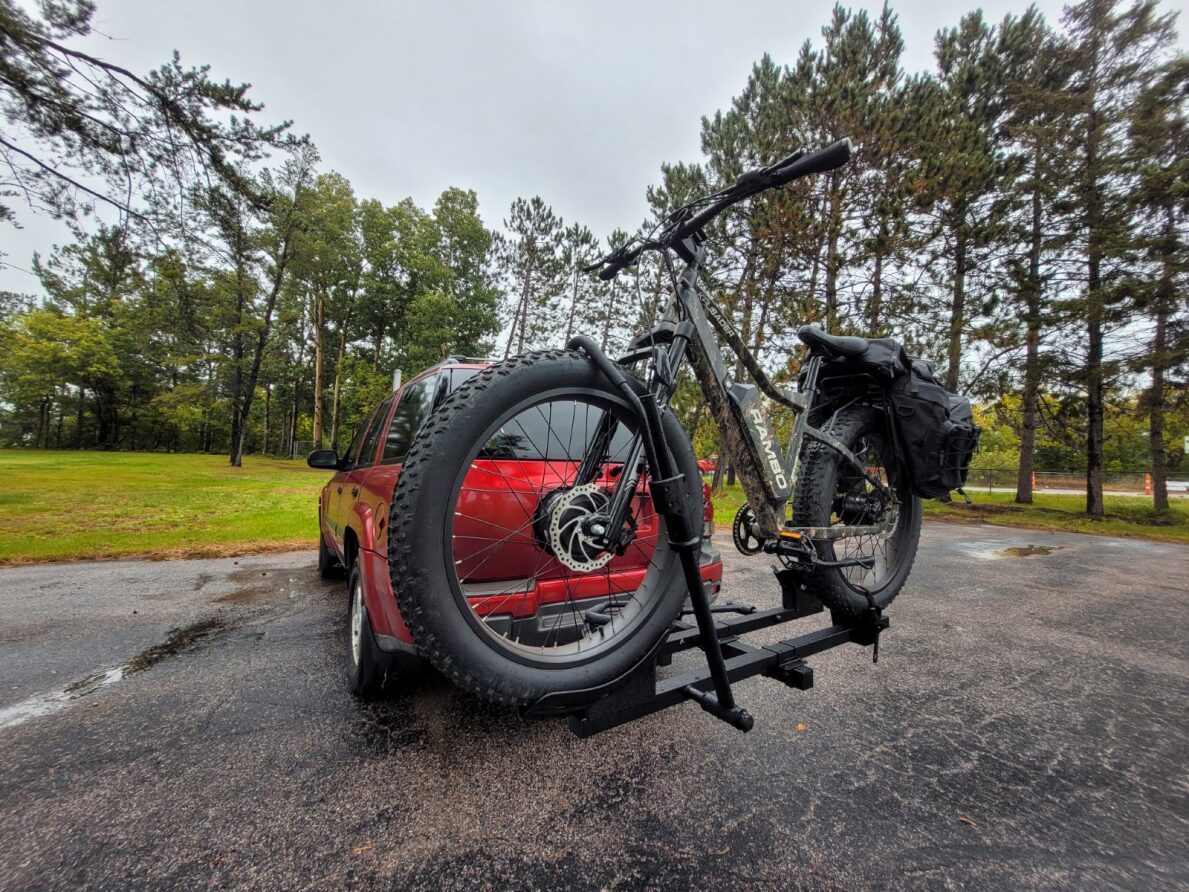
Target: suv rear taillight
x,y
707,512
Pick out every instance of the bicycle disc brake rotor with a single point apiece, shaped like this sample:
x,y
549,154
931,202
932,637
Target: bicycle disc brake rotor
x,y
570,543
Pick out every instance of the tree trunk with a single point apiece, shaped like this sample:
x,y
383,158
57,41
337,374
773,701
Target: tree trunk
x,y
1095,411
253,377
78,418
1031,395
238,422
523,317
338,386
517,317
610,313
267,408
41,424
319,310
1160,363
573,303
957,314
834,225
874,308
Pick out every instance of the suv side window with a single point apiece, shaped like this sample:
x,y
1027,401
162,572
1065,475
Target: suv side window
x,y
367,456
415,404
352,452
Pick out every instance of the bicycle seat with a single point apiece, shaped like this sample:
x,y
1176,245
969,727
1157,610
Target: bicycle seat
x,y
817,338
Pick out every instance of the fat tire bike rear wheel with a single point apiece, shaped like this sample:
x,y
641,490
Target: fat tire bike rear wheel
x,y
494,560
831,493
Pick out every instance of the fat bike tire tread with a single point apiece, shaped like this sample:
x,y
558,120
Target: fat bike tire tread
x,y
816,482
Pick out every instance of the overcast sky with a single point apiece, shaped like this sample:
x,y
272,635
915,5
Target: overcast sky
x,y
579,103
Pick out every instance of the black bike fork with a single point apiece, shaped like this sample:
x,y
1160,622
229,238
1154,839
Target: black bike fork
x,y
685,534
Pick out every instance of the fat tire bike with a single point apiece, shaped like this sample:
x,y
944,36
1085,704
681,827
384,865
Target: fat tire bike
x,y
545,529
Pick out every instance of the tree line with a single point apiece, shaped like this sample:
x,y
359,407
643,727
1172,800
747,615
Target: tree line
x,y
1016,212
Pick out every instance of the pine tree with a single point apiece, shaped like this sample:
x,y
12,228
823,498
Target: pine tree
x,y
530,257
1115,53
1035,126
963,171
1160,150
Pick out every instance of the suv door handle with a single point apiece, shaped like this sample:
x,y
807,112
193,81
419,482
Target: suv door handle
x,y
354,491
339,488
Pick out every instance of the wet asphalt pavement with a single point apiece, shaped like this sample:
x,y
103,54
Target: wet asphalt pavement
x,y
187,724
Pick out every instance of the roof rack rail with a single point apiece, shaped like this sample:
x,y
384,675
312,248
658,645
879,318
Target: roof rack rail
x,y
458,357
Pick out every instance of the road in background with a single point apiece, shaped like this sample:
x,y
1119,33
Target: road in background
x,y
187,724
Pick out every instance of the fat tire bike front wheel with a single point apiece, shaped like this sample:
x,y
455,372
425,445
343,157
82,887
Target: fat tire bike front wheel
x,y
496,563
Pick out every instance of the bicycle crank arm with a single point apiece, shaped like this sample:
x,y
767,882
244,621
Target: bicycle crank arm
x,y
805,554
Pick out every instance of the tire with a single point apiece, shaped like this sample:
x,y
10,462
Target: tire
x,y
369,669
425,578
328,565
823,477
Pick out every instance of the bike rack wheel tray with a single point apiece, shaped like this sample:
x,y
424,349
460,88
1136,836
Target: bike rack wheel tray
x,y
638,692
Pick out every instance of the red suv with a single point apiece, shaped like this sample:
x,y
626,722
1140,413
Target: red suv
x,y
353,521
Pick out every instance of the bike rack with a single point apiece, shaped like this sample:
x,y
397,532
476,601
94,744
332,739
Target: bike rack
x,y
638,692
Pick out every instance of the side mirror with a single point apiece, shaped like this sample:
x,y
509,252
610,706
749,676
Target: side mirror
x,y
327,459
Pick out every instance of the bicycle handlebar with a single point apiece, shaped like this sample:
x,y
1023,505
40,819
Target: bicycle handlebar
x,y
793,167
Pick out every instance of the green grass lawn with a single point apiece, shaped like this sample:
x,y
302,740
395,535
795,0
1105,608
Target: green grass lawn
x,y
1126,515
82,505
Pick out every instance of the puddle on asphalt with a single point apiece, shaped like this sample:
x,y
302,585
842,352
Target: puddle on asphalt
x,y
1028,550
179,641
992,551
44,704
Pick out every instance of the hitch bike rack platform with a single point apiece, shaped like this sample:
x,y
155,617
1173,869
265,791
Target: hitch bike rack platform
x,y
638,692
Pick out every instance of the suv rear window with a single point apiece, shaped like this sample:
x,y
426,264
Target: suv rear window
x,y
415,402
460,376
559,430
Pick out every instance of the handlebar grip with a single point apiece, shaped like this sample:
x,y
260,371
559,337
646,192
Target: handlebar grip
x,y
831,157
615,265
611,270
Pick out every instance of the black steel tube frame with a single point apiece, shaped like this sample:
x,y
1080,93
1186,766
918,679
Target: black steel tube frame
x,y
642,693
685,532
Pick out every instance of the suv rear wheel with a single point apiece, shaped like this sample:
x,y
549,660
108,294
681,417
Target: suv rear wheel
x,y
368,667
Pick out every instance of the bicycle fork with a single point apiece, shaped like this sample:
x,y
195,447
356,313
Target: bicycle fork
x,y
668,488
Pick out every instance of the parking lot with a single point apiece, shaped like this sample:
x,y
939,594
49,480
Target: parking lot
x,y
187,723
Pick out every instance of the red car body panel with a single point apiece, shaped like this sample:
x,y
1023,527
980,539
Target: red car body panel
x,y
354,504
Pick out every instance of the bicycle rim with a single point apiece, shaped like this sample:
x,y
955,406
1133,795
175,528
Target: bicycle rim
x,y
858,503
522,563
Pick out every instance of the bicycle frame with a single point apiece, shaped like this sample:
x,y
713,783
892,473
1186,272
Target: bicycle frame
x,y
767,475
692,323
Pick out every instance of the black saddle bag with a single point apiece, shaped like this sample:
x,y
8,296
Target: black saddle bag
x,y
936,430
